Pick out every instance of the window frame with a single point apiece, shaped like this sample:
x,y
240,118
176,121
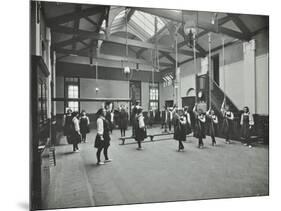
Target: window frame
x,y
152,99
75,82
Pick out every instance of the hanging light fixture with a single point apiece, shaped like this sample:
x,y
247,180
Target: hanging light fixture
x,y
97,88
126,68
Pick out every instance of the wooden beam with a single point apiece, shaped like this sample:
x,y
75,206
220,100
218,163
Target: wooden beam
x,y
172,15
74,15
69,41
240,24
152,39
107,57
223,30
169,57
130,14
76,24
94,23
118,40
85,44
185,61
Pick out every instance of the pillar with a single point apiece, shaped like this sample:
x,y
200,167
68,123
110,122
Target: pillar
x,y
48,63
37,29
249,75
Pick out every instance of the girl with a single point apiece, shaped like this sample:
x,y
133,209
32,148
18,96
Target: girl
x,y
199,126
188,121
84,125
227,121
76,135
140,133
108,115
102,141
123,122
180,130
247,123
213,119
67,125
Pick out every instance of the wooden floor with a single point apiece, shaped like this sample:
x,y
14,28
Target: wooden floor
x,y
156,174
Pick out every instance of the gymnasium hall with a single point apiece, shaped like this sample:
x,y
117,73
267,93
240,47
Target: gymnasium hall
x,y
137,105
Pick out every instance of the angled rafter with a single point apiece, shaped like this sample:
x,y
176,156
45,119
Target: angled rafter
x,y
240,24
151,40
116,39
76,24
203,25
223,30
107,57
130,14
74,15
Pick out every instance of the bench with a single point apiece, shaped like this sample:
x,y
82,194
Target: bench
x,y
151,136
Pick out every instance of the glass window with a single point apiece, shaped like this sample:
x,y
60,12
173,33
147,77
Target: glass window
x,y
146,21
154,96
73,105
72,92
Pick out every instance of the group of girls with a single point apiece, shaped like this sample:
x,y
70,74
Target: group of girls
x,y
182,125
76,127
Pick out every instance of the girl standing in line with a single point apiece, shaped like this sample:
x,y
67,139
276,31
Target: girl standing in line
x,y
67,125
140,133
84,125
213,120
199,126
76,135
180,130
188,121
227,121
123,122
247,123
102,141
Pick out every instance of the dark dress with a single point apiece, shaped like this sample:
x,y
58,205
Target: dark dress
x,y
84,128
140,132
199,129
106,137
227,124
180,131
212,127
123,119
67,125
245,130
108,118
151,118
75,137
188,126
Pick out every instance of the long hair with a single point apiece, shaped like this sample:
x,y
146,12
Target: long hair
x,y
100,112
74,113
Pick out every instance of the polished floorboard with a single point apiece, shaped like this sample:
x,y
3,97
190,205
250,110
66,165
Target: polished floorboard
x,y
158,173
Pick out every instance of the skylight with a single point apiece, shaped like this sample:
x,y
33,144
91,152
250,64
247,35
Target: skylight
x,y
146,21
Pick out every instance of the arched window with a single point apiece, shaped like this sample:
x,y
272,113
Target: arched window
x,y
190,92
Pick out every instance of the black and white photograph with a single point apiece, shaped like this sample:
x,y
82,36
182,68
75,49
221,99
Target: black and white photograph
x,y
136,105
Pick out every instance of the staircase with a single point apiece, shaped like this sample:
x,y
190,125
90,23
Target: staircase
x,y
217,95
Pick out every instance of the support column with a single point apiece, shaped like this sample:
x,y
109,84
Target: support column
x,y
37,29
250,75
54,82
48,63
177,88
